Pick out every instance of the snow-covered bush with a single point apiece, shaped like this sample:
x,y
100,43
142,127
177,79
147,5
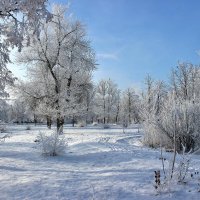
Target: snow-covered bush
x,y
153,138
174,171
181,118
183,166
151,107
52,144
28,127
106,126
95,124
81,124
174,110
3,127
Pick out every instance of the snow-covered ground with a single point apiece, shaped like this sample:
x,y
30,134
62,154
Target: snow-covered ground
x,y
99,164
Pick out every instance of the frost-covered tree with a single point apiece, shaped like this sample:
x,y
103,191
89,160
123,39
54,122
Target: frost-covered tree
x,y
118,107
153,98
4,111
106,100
80,105
112,100
61,62
100,100
185,81
130,106
19,20
147,98
87,94
6,78
34,97
20,112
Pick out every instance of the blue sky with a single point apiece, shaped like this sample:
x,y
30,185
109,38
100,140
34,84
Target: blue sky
x,y
133,38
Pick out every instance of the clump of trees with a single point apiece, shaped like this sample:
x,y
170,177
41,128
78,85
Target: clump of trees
x,y
172,115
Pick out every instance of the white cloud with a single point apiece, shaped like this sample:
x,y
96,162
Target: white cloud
x,y
198,52
107,56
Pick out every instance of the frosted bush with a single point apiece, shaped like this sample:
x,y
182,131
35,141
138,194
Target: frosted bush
x,y
95,124
81,124
173,175
183,118
153,137
28,127
3,127
52,144
105,126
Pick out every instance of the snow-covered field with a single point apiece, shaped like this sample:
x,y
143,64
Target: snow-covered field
x,y
99,164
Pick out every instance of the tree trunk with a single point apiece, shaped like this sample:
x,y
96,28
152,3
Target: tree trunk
x,y
116,119
60,123
35,119
73,122
49,122
104,111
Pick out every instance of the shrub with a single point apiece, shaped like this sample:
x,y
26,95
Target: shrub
x,y
153,137
182,119
28,127
81,124
176,171
94,124
106,126
52,144
3,127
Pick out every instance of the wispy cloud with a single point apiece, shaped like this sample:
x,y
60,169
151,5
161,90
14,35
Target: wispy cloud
x,y
107,56
197,52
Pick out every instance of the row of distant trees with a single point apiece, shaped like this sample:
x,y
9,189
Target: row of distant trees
x,y
101,103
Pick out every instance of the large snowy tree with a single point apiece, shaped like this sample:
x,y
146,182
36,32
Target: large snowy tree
x,y
61,61
19,20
